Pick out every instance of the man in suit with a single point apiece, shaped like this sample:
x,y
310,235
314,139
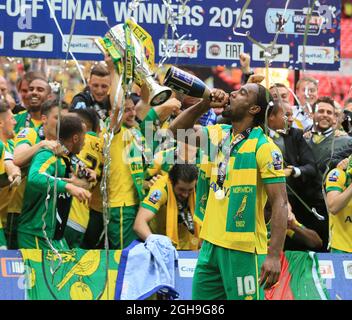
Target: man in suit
x,y
300,170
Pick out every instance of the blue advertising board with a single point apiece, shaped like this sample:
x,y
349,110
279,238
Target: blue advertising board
x,y
335,270
204,33
12,280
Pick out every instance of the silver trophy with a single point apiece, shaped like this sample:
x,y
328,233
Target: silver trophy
x,y
157,94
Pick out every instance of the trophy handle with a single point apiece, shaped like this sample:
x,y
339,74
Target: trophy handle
x,y
159,94
114,44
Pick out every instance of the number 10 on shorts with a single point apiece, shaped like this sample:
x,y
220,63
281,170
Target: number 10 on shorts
x,y
245,285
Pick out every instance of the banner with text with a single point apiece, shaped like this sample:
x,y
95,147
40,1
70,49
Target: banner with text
x,y
198,32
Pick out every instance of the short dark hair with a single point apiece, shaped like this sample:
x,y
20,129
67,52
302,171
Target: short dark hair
x,y
69,126
29,77
324,99
275,106
99,70
89,116
48,105
135,98
277,85
263,99
48,87
184,172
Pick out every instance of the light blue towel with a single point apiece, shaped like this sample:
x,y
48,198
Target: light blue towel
x,y
146,268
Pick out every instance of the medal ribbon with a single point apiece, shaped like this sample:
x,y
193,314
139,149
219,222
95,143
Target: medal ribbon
x,y
227,152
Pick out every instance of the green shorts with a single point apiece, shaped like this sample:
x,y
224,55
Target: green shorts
x,y
11,230
3,244
29,241
225,274
120,228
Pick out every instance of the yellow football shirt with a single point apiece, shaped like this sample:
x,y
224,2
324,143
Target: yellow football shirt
x,y
25,136
340,223
216,226
92,156
2,171
96,201
24,120
156,201
122,191
5,193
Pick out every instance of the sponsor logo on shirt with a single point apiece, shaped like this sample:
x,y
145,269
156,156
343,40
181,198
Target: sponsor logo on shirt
x,y
155,196
326,268
23,133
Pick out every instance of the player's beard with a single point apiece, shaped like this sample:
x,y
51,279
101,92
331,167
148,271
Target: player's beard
x,y
35,108
233,114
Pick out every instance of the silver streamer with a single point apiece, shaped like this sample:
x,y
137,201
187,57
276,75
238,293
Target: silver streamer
x,y
56,252
175,37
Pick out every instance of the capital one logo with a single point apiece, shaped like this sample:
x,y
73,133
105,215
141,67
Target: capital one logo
x,y
186,267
